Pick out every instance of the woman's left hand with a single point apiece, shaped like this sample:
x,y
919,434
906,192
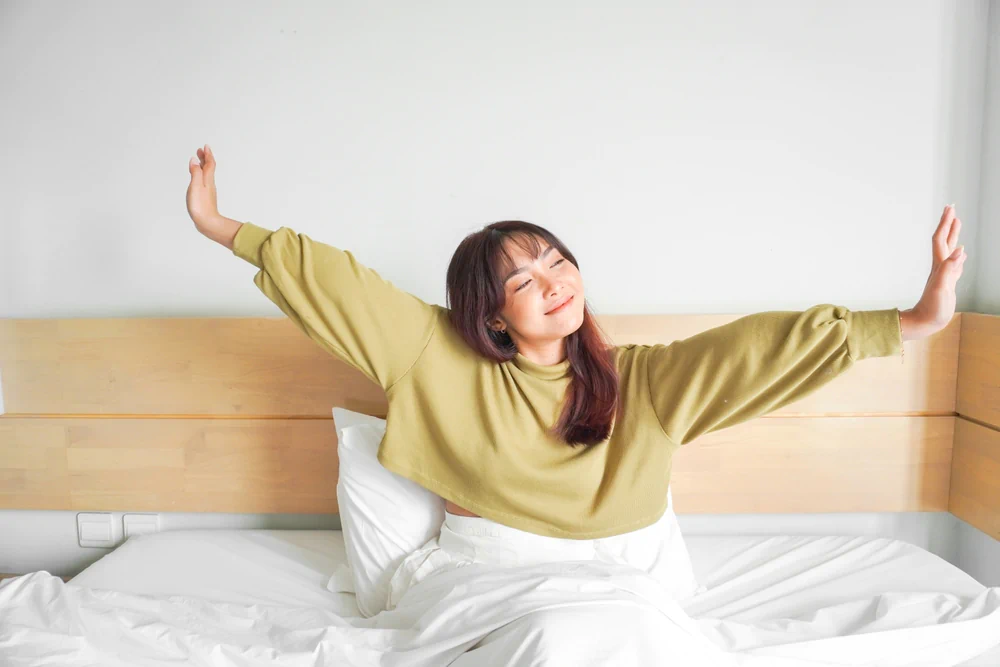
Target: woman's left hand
x,y
937,304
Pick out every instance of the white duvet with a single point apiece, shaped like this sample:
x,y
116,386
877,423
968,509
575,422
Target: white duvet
x,y
575,613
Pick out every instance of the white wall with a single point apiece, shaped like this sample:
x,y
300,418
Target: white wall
x,y
717,157
979,554
987,282
696,157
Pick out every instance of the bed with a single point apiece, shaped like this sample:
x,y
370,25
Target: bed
x,y
264,577
215,431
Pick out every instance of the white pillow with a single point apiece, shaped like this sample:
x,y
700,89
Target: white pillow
x,y
386,517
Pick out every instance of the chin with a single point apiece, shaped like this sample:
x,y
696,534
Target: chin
x,y
576,324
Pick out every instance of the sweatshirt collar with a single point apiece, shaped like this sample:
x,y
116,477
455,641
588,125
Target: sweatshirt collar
x,y
553,372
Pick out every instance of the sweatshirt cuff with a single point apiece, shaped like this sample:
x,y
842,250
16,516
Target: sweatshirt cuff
x,y
874,333
247,242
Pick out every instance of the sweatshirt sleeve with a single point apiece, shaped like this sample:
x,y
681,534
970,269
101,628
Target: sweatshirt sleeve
x,y
759,363
343,305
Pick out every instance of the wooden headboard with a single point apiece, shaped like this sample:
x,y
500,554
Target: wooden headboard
x,y
234,415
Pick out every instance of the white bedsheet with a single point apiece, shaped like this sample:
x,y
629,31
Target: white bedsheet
x,y
276,567
772,598
753,579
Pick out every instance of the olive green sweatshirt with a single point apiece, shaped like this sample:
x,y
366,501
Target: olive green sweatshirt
x,y
475,431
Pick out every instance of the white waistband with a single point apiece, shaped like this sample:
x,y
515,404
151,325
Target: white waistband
x,y
488,541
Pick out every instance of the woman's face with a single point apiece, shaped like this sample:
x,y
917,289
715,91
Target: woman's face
x,y
532,292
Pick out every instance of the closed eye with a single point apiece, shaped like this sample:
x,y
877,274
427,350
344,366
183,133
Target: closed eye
x,y
529,279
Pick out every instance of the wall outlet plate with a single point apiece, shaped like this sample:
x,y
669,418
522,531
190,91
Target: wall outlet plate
x,y
96,529
140,524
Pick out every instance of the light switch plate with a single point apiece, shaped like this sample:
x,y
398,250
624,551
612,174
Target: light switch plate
x,y
96,529
140,524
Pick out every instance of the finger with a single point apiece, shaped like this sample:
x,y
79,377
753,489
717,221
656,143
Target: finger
x,y
950,270
209,166
958,266
956,227
939,240
196,176
957,256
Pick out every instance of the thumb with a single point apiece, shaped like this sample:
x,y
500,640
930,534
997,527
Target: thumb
x,y
195,168
955,263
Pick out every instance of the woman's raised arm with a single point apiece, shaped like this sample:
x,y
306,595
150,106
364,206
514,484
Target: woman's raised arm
x,y
343,305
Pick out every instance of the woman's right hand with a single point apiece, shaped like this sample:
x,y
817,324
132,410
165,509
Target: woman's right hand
x,y
202,203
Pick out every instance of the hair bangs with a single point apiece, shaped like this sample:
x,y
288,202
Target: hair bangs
x,y
502,262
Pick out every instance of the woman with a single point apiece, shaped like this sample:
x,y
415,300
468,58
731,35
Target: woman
x,y
510,404
548,443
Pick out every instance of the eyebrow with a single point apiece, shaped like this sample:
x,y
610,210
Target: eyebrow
x,y
525,267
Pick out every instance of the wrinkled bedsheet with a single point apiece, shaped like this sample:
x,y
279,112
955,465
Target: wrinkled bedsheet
x,y
572,613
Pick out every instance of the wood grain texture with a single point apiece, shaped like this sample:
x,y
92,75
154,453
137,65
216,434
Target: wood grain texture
x,y
222,367
233,415
975,477
809,464
975,471
817,464
978,393
169,465
257,367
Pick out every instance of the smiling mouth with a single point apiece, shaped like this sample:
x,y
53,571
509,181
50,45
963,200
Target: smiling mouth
x,y
559,308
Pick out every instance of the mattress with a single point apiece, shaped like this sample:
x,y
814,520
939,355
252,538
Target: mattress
x,y
749,578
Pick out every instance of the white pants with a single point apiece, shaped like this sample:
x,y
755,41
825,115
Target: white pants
x,y
465,539
657,549
547,637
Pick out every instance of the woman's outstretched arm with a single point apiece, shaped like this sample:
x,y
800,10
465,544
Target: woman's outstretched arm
x,y
343,305
765,361
759,363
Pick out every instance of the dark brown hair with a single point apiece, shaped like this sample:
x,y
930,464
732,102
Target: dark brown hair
x,y
476,295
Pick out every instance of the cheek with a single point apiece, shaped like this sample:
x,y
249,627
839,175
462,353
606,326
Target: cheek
x,y
525,312
515,308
